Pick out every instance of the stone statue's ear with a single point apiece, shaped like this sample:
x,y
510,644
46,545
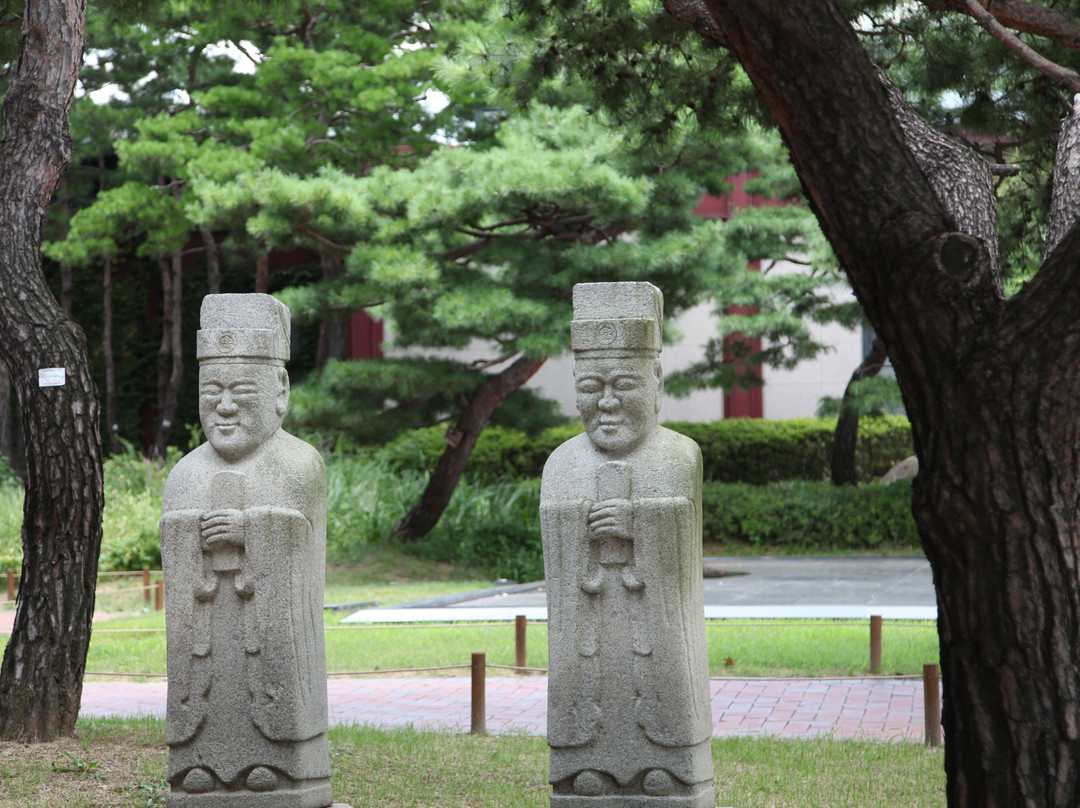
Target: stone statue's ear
x,y
283,394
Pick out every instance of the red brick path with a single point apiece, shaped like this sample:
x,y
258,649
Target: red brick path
x,y
880,709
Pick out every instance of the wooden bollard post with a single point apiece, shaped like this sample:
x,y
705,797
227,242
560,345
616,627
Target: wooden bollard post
x,y
146,585
479,696
519,641
11,584
875,643
932,703
159,595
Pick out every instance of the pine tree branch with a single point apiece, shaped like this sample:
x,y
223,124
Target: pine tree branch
x,y
304,230
465,250
1066,194
1003,35
1022,16
484,364
694,15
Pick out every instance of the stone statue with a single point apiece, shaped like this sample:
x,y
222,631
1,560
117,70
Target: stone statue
x,y
243,545
629,713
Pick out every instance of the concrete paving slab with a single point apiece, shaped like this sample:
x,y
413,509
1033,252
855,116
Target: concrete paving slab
x,y
751,588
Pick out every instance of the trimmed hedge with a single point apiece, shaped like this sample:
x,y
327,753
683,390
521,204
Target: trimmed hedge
x,y
753,450
743,450
794,518
802,516
500,453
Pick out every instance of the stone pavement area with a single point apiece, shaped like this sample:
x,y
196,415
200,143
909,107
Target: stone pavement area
x,y
872,708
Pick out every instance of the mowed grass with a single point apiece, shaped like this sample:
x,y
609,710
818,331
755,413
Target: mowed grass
x,y
113,763
134,643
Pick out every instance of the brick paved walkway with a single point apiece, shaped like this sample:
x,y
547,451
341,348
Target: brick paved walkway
x,y
881,709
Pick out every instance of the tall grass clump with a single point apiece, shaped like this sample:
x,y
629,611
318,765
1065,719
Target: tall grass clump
x,y
494,527
133,489
364,500
11,517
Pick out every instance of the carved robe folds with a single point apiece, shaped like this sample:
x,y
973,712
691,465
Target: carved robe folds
x,y
629,714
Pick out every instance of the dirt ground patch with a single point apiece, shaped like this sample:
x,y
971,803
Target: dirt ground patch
x,y
109,767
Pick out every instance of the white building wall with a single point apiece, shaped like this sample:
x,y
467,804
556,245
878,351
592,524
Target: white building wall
x,y
795,393
786,394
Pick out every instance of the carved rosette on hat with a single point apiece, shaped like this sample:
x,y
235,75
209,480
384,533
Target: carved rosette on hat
x,y
629,714
243,538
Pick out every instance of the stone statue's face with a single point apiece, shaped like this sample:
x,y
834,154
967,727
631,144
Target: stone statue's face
x,y
241,405
618,398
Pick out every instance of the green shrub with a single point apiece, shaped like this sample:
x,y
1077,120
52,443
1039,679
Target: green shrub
x,y
7,473
133,489
130,531
500,453
804,516
364,500
757,451
739,450
495,527
11,518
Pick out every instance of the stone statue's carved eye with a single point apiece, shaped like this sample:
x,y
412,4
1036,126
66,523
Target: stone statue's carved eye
x,y
589,386
626,383
210,390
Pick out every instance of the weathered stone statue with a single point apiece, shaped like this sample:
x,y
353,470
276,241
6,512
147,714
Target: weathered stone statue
x,y
243,540
629,714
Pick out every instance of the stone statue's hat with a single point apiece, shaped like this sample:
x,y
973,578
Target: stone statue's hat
x,y
251,327
617,319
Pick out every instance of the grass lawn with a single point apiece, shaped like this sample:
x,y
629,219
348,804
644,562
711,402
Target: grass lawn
x,y
135,642
113,763
736,648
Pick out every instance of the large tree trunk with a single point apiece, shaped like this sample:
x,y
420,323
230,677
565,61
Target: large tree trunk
x,y
333,328
419,521
846,436
990,387
41,676
110,361
7,446
213,261
170,359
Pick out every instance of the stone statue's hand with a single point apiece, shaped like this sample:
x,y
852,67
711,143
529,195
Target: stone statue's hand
x,y
611,518
220,528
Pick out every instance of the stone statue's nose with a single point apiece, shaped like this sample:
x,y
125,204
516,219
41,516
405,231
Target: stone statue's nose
x,y
227,403
608,401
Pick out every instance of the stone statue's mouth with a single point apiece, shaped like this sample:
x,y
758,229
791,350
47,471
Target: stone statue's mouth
x,y
226,428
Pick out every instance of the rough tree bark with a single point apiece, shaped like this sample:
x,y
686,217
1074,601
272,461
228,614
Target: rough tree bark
x,y
846,436
110,360
7,447
170,357
41,676
213,261
333,328
990,387
419,521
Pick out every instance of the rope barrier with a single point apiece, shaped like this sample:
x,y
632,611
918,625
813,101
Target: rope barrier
x,y
397,670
